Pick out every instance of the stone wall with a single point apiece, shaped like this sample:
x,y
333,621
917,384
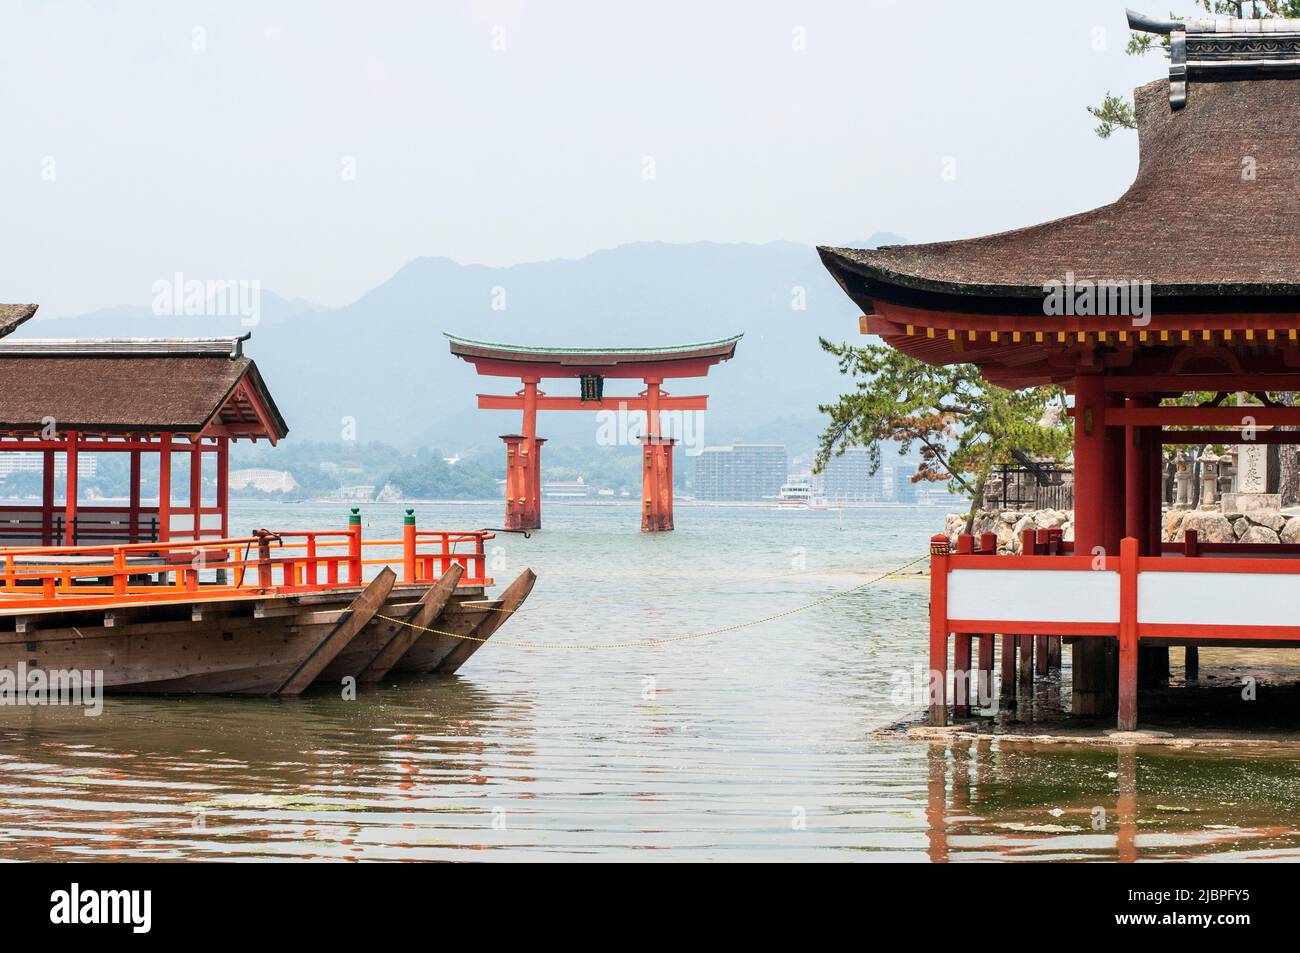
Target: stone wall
x,y
1211,525
1009,524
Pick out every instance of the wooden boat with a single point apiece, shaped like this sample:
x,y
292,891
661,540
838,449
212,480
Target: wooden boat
x,y
145,618
161,597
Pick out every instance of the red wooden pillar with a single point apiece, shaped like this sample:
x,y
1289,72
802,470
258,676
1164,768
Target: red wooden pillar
x,y
515,489
165,488
656,483
656,480
938,680
649,484
961,675
523,482
223,484
531,452
535,484
668,484
196,485
1092,498
133,497
47,498
1128,634
70,500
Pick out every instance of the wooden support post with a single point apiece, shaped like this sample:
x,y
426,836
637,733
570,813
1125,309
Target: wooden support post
x,y
70,500
1028,547
223,484
47,499
961,673
1042,546
133,498
938,680
165,488
1026,686
1055,547
1191,653
1008,692
196,486
1128,634
988,545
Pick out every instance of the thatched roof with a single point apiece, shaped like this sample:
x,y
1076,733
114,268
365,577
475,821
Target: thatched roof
x,y
12,315
1211,221
105,386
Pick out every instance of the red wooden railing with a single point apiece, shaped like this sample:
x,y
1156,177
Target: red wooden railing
x,y
263,563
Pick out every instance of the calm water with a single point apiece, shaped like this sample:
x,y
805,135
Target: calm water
x,y
748,745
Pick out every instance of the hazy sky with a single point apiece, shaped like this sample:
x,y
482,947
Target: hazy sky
x,y
317,147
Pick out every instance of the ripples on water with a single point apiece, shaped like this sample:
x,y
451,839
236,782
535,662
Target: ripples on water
x,y
750,745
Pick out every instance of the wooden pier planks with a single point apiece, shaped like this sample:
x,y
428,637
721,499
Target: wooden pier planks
x,y
510,600
357,615
399,638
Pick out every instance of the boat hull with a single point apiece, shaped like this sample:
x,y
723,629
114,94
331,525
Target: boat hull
x,y
264,645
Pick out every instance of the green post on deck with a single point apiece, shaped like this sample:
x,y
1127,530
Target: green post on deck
x,y
354,546
408,547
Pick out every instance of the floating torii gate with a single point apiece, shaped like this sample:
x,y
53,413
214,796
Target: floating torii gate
x,y
591,366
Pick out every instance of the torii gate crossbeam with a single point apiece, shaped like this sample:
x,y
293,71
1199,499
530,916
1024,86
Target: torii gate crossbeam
x,y
531,365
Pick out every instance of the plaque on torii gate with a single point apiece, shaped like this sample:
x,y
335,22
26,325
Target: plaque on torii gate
x,y
591,366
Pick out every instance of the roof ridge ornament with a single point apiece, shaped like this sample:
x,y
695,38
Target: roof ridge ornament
x,y
1224,48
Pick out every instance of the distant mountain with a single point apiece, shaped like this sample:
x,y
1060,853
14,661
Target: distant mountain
x,y
383,360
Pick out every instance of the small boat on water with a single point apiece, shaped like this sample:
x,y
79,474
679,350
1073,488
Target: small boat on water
x,y
799,495
157,597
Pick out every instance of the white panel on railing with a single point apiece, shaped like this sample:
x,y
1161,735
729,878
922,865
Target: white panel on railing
x,y
1218,598
1034,595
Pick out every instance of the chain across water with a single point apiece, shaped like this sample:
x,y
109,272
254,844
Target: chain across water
x,y
647,643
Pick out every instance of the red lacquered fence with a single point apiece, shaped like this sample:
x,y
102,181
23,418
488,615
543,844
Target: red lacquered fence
x,y
1192,594
264,563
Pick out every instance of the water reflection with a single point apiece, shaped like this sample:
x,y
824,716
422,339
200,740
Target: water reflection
x,y
756,745
990,800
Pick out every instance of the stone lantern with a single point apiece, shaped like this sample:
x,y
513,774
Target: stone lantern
x,y
1209,479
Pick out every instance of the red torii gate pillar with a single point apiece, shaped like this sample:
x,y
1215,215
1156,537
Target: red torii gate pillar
x,y
657,484
656,466
523,481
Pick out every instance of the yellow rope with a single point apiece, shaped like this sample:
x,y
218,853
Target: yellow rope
x,y
646,643
703,587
